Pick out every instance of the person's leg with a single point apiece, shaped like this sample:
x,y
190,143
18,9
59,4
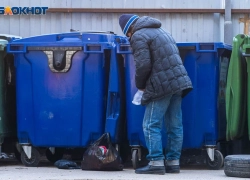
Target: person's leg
x,y
152,126
173,121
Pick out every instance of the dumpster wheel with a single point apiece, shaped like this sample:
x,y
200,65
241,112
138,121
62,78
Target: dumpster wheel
x,y
33,161
56,156
135,159
218,160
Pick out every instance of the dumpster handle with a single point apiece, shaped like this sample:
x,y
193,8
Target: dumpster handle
x,y
198,49
72,35
122,51
86,46
10,47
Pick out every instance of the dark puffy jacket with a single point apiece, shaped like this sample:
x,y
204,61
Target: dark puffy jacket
x,y
159,68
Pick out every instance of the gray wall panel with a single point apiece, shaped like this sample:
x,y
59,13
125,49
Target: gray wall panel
x,y
130,3
241,4
126,3
238,28
184,27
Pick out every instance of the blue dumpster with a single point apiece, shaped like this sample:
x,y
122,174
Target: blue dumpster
x,y
62,83
207,65
203,108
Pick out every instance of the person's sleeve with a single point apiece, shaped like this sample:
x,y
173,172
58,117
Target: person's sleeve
x,y
142,59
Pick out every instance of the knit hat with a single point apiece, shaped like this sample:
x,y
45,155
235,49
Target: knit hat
x,y
126,20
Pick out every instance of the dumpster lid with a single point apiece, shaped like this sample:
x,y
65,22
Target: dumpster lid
x,y
204,46
93,31
69,39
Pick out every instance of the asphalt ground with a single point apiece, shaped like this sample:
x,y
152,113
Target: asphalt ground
x,y
15,170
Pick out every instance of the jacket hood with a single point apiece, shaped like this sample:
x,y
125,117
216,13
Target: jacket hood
x,y
146,22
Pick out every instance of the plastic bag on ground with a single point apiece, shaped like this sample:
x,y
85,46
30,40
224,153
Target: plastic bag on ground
x,y
101,155
66,164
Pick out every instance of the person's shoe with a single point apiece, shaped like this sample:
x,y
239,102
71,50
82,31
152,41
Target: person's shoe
x,y
151,170
172,169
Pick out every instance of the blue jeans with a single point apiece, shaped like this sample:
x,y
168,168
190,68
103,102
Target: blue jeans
x,y
169,110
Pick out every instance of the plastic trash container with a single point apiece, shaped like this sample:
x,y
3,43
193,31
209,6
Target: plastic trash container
x,y
203,108
62,82
238,87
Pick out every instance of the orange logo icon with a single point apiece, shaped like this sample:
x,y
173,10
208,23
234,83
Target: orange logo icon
x,y
8,11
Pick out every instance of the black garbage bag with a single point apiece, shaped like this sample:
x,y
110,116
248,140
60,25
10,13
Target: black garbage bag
x,y
101,155
66,164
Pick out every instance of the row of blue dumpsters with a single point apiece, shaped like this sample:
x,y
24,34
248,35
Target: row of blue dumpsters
x,y
73,87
